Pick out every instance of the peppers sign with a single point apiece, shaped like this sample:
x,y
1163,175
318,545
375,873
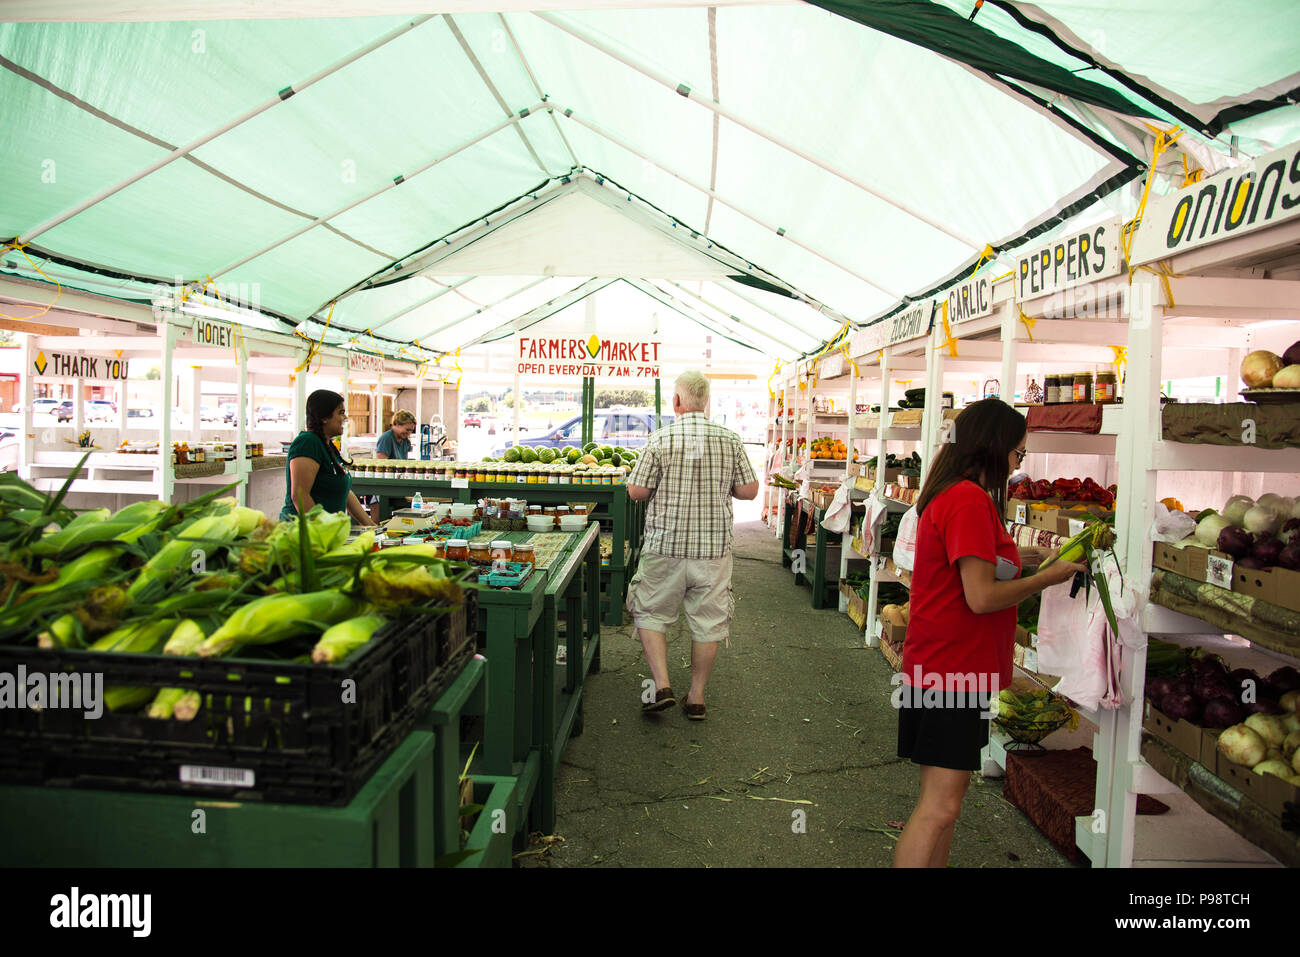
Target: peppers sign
x,y
209,332
1084,256
1234,201
971,299
594,357
870,339
912,323
77,365
365,362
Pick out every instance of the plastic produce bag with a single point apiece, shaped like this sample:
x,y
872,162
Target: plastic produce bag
x,y
1171,525
905,541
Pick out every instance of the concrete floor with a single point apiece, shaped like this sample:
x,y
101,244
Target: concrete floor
x,y
795,766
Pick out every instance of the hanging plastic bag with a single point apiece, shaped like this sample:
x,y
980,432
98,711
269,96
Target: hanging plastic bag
x,y
839,512
905,542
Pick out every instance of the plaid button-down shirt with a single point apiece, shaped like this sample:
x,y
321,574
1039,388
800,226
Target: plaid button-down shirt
x,y
692,465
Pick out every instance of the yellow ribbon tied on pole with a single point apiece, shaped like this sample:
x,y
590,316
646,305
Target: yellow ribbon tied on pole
x,y
949,342
1029,324
314,348
58,288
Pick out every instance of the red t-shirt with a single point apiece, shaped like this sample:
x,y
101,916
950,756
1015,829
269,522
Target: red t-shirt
x,y
944,637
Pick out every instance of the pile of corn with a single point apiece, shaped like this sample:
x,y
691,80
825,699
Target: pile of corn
x,y
208,578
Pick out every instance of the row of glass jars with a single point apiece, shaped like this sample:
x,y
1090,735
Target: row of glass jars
x,y
487,472
485,553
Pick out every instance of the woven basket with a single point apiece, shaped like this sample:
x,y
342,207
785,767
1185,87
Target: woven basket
x,y
268,462
892,654
1030,732
200,469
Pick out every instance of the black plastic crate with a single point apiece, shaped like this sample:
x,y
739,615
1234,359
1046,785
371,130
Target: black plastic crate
x,y
267,730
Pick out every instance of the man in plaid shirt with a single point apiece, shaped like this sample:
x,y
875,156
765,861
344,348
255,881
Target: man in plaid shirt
x,y
690,472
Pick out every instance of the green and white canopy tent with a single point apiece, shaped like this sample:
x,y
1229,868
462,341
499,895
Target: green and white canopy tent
x,y
770,170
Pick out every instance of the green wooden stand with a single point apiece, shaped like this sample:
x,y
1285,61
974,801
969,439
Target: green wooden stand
x,y
627,518
388,824
467,695
576,583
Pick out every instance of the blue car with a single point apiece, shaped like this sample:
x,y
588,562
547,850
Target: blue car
x,y
626,427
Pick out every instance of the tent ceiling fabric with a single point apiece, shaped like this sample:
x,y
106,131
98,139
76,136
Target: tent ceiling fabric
x,y
767,170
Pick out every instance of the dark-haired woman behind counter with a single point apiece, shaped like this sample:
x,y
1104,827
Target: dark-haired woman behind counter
x,y
317,473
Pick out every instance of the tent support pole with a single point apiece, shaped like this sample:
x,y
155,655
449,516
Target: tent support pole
x,y
733,318
518,401
722,111
189,147
658,404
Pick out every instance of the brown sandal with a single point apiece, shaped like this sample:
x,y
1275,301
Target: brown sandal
x,y
663,699
695,712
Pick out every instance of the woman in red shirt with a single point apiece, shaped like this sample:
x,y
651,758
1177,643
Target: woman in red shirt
x,y
965,587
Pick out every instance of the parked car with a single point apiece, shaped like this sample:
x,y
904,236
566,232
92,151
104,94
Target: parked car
x,y
229,412
100,410
63,411
40,406
629,428
139,413
269,413
208,414
472,421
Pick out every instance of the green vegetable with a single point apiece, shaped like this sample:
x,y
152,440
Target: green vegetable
x,y
276,617
346,637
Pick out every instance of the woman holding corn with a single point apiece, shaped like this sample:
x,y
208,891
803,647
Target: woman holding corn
x,y
966,584
316,473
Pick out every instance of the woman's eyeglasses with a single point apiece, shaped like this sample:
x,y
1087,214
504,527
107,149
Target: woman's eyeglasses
x,y
1020,455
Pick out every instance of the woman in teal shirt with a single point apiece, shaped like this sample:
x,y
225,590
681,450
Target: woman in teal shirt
x,y
316,473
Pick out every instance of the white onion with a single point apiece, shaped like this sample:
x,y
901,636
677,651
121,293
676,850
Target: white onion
x,y
1273,766
1241,745
1291,743
1269,727
1236,508
1261,518
1258,369
1290,701
1278,503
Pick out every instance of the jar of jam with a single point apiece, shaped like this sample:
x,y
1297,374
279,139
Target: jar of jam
x,y
534,510
1052,390
457,550
1105,392
462,472
480,553
580,510
561,512
502,551
523,554
1083,387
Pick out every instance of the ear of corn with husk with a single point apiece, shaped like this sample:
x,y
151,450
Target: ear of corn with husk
x,y
342,639
203,536
186,638
277,617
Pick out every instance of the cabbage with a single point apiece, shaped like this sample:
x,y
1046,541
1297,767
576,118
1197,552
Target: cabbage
x,y
1207,531
1261,518
1236,508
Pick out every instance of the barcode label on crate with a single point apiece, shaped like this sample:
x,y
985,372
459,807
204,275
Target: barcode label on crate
x,y
1022,514
1075,525
217,777
460,483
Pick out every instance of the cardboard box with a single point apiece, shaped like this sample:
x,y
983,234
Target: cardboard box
x,y
1192,561
1043,518
1018,511
1064,518
895,633
1257,583
906,417
857,611
1267,790
1199,744
909,481
1286,588
891,474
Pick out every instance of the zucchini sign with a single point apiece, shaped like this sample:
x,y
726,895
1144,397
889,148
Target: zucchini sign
x,y
1230,203
1084,256
912,323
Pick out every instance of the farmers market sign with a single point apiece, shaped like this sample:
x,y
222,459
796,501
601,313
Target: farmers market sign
x,y
912,323
1232,202
593,356
78,365
972,299
1084,256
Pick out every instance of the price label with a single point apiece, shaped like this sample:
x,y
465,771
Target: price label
x,y
1031,660
1075,525
459,483
217,777
1022,514
1218,571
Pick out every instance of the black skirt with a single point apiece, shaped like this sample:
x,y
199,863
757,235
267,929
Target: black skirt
x,y
942,729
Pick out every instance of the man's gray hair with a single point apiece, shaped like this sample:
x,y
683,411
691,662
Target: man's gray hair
x,y
693,389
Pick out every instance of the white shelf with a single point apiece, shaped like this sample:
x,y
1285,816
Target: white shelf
x,y
899,433
1159,620
1070,443
1187,456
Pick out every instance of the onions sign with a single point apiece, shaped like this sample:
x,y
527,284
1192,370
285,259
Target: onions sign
x,y
592,357
1239,200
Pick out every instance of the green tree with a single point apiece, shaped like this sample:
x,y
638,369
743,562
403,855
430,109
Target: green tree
x,y
633,398
155,372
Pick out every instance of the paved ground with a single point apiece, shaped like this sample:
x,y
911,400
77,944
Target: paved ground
x,y
795,766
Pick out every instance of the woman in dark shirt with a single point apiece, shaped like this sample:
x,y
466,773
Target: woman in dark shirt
x,y
316,473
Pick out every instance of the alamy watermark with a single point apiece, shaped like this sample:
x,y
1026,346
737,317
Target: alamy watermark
x,y
952,690
76,691
78,910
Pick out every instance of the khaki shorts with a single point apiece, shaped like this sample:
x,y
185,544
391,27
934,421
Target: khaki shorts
x,y
663,585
